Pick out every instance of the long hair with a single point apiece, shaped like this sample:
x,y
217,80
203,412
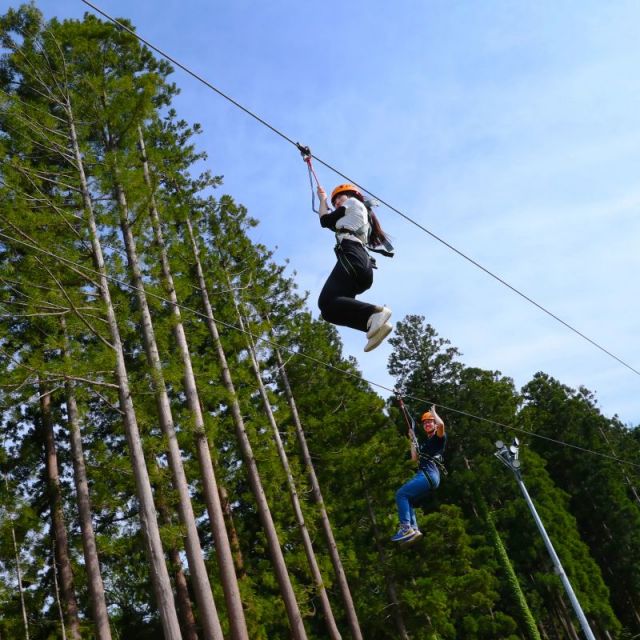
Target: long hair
x,y
377,235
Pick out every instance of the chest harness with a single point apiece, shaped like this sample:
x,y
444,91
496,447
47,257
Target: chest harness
x,y
361,234
437,459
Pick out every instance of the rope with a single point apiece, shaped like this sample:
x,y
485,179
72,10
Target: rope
x,y
352,181
382,201
306,156
313,359
405,413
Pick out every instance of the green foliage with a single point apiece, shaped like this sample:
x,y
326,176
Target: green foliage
x,y
466,579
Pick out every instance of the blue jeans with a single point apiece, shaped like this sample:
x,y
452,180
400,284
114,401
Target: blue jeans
x,y
413,492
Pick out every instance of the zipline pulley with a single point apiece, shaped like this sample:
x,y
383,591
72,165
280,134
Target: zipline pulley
x,y
306,156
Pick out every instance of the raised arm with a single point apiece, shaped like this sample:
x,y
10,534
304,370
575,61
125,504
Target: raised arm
x,y
322,195
439,421
328,218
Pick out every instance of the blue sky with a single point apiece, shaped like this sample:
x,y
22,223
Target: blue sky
x,y
511,130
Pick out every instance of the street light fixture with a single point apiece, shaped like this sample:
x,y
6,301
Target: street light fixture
x,y
509,457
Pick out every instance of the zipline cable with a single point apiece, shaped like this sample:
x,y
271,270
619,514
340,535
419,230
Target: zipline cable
x,y
190,72
348,179
325,364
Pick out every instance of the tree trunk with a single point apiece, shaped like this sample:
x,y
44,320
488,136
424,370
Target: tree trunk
x,y
92,563
199,576
566,619
23,607
352,618
234,540
183,600
148,521
56,591
634,610
293,493
282,576
62,561
392,591
209,484
543,630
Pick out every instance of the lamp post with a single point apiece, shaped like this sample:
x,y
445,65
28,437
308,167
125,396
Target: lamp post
x,y
509,457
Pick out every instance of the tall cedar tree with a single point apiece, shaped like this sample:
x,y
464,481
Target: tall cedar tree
x,y
465,579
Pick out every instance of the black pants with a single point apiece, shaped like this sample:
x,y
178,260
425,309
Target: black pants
x,y
352,275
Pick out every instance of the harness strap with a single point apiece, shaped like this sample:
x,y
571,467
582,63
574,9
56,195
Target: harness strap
x,y
429,480
388,250
344,261
359,233
362,235
405,415
306,156
437,460
350,232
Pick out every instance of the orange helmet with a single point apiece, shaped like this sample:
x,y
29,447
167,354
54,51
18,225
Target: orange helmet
x,y
343,188
427,415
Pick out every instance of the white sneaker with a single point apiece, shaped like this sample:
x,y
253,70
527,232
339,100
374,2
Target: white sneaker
x,y
378,337
376,320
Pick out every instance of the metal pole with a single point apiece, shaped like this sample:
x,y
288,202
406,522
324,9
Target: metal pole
x,y
556,562
509,457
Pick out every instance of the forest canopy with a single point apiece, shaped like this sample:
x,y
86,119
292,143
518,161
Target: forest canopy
x,y
186,450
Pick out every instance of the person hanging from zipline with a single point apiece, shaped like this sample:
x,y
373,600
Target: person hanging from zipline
x,y
357,229
427,449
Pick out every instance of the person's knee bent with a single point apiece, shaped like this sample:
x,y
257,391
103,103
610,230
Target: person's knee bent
x,y
326,308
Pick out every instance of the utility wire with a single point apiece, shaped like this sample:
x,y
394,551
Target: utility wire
x,y
323,363
379,199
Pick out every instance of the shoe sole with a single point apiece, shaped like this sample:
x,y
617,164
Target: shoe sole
x,y
373,330
375,341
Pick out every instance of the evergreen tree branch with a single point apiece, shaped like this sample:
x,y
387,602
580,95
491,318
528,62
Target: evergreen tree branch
x,y
69,264
17,99
37,127
75,310
111,405
45,376
29,173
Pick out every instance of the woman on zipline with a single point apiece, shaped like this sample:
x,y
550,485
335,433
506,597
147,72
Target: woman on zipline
x,y
356,228
427,448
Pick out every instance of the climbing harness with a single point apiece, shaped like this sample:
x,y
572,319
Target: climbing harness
x,y
363,233
344,260
438,459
